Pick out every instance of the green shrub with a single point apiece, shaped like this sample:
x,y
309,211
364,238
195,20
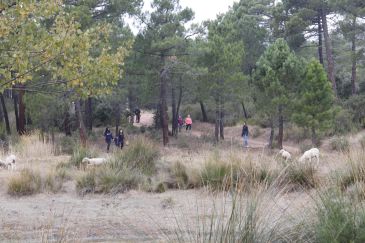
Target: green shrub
x,y
216,174
67,144
339,220
141,154
86,183
26,183
343,122
340,144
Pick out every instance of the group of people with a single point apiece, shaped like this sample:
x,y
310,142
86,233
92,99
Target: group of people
x,y
188,122
118,140
137,113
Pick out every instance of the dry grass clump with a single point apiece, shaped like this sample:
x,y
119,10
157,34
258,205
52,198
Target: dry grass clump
x,y
26,183
223,174
30,182
353,178
78,154
340,144
299,176
31,146
126,170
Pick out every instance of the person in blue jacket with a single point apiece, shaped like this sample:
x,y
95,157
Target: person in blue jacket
x,y
245,135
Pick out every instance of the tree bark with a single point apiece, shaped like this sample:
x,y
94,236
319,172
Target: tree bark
x,y
271,138
281,128
82,129
179,99
89,114
5,112
204,113
244,110
329,52
320,42
163,105
15,99
217,122
118,114
174,112
314,137
67,124
22,129
131,103
221,123
354,59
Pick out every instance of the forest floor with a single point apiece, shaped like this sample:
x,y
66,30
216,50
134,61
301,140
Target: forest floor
x,y
134,216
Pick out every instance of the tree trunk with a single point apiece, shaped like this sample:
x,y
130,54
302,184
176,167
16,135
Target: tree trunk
x,y
204,113
89,114
67,124
320,42
354,59
163,105
329,52
244,110
217,122
271,138
131,103
314,137
15,99
5,112
174,113
179,99
82,129
221,124
281,128
22,129
118,114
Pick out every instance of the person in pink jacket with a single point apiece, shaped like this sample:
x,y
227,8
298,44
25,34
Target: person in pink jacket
x,y
188,123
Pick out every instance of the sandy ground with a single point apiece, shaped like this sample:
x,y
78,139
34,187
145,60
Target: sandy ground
x,y
134,216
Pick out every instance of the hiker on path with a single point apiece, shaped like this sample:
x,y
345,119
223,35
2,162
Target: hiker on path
x,y
137,112
245,135
121,139
108,138
180,122
188,123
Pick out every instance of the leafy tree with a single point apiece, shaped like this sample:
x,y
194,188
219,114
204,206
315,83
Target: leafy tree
x,y
277,75
315,102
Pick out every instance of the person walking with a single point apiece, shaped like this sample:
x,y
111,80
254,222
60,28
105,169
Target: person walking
x,y
188,122
108,138
180,122
121,139
245,135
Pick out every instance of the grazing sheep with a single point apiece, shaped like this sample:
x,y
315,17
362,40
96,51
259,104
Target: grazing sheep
x,y
309,154
93,161
285,154
9,162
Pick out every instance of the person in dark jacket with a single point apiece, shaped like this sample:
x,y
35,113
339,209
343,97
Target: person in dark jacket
x,y
121,139
108,138
245,134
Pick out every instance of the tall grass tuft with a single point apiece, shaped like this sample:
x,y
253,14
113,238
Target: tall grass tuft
x,y
339,219
26,183
340,144
78,154
299,176
128,169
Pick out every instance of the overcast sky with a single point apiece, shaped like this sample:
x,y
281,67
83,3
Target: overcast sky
x,y
203,9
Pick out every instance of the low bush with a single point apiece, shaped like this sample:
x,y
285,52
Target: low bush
x,y
299,176
339,219
340,144
26,183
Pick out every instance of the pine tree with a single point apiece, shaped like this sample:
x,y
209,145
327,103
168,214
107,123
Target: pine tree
x,y
314,106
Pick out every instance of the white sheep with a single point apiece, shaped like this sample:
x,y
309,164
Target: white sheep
x,y
309,154
285,154
9,162
93,161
